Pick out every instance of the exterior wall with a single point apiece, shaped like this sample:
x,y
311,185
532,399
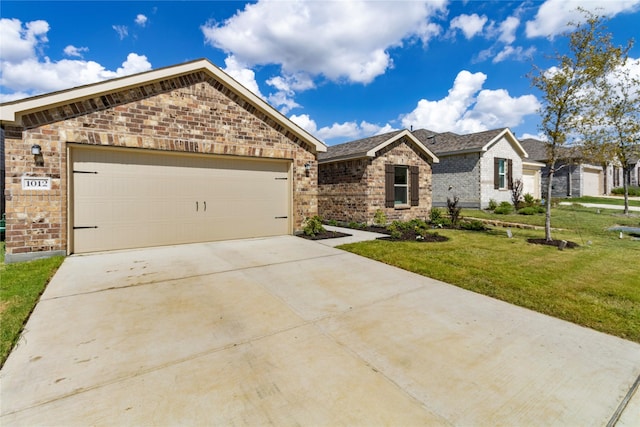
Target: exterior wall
x,y
401,153
566,181
192,113
342,190
457,175
354,190
503,150
634,174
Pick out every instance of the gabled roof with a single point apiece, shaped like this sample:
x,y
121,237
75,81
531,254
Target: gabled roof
x,y
368,147
11,112
537,149
449,143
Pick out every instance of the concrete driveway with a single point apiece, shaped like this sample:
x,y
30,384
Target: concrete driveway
x,y
285,331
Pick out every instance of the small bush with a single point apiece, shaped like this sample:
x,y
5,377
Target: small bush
x,y
454,210
529,200
313,226
435,215
633,191
474,225
529,210
492,205
504,208
380,218
332,222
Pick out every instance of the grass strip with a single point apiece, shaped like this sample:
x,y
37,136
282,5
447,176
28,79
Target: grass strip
x,y
21,285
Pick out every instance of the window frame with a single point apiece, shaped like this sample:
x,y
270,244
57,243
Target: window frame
x,y
397,186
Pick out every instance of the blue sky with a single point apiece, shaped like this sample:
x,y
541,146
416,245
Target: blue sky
x,y
343,70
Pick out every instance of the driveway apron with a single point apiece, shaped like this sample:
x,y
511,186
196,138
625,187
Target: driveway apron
x,y
286,331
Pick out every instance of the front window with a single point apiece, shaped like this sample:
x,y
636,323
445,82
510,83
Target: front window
x,y
401,185
502,173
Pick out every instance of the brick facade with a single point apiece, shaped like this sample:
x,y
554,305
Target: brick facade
x,y
191,113
353,190
470,176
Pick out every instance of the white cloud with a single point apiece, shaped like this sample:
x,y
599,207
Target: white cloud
x,y
538,136
141,20
470,25
17,42
339,40
286,87
554,15
75,51
518,53
469,108
508,29
122,31
346,130
245,76
25,72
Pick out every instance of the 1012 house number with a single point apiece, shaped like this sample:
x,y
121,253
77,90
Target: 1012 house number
x,y
33,183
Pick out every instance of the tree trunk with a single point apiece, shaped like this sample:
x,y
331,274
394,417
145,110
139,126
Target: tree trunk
x,y
626,173
547,220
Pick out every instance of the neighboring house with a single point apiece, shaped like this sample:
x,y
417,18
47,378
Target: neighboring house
x,y
634,171
176,155
390,172
477,167
575,176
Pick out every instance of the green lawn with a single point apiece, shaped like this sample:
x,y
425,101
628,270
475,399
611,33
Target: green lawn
x,y
596,285
21,285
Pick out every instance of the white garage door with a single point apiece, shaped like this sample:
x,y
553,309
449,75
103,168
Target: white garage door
x,y
530,183
130,199
591,182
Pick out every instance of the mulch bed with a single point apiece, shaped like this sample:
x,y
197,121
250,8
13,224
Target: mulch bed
x,y
324,235
411,235
555,243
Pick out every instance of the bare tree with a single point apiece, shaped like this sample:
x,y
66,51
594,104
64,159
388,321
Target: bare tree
x,y
612,126
590,55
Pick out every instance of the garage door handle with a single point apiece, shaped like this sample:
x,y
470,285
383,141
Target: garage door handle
x,y
205,206
282,217
196,206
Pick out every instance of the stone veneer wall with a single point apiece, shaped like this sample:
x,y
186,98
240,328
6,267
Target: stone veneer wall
x,y
459,176
191,113
354,190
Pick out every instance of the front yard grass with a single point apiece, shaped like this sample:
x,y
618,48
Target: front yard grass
x,y
21,285
596,285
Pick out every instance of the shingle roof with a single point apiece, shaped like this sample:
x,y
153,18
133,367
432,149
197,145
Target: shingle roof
x,y
449,142
536,149
355,149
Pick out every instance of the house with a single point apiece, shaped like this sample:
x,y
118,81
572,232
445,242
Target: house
x,y
389,172
176,155
476,167
575,175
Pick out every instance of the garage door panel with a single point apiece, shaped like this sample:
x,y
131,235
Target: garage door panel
x,y
137,199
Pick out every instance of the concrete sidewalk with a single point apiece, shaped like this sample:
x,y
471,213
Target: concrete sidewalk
x,y
603,206
356,236
286,331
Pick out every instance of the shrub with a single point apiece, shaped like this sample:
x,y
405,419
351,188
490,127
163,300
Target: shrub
x,y
435,215
504,208
529,210
474,225
529,200
357,225
332,222
492,205
454,210
313,226
516,192
633,191
380,218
